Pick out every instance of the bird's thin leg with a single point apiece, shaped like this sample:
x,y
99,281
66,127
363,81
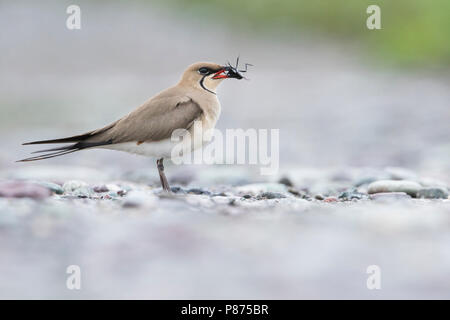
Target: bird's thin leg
x,y
162,176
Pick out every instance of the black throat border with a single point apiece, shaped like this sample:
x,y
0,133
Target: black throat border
x,y
203,86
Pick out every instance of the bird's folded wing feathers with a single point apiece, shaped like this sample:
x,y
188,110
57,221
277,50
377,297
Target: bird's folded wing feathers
x,y
155,120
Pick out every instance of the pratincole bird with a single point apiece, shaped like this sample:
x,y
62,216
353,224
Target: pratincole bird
x,y
148,129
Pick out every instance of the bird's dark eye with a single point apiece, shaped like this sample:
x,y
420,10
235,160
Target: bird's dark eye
x,y
203,70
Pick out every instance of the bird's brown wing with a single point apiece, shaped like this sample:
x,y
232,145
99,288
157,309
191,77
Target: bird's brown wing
x,y
155,120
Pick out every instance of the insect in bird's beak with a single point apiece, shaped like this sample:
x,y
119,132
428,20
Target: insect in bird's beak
x,y
231,72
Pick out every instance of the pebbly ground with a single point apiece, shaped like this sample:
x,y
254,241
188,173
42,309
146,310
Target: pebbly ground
x,y
310,234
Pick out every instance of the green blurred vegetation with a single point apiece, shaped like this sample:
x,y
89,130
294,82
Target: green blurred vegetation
x,y
414,32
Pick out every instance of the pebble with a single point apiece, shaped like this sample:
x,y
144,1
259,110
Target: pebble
x,y
56,188
409,187
116,188
271,195
198,191
121,193
221,194
328,188
69,197
319,197
330,199
100,189
178,190
223,200
73,185
351,194
84,192
298,193
22,189
433,193
390,196
112,195
77,188
106,197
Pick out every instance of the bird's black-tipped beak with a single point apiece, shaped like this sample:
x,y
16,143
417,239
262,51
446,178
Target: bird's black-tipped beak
x,y
227,72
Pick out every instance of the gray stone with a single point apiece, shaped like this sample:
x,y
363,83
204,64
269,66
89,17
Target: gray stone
x,y
328,188
83,192
298,193
220,194
23,189
56,188
73,185
114,187
433,193
100,188
198,191
112,194
390,196
223,200
351,194
178,190
409,187
271,195
77,188
122,192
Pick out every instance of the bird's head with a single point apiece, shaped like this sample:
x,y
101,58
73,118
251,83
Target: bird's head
x,y
208,76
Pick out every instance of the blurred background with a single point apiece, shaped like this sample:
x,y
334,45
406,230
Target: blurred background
x,y
341,95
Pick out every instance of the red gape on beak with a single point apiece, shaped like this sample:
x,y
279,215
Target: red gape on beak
x,y
220,74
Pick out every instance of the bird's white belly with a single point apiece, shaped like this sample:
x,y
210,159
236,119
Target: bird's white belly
x,y
161,149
